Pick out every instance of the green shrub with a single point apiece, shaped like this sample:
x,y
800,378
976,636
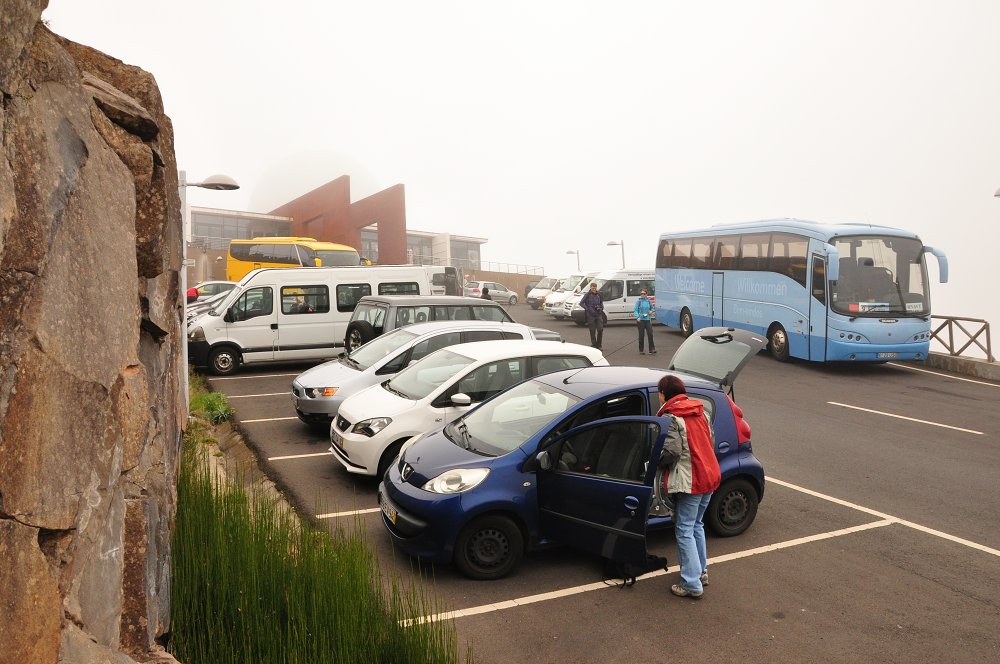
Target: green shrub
x,y
212,406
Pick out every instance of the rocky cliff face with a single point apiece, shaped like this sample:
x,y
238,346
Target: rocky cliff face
x,y
90,365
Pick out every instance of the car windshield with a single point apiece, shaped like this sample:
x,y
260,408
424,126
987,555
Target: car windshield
x,y
380,347
547,282
424,376
504,423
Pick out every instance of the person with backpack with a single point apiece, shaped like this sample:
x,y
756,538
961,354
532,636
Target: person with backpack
x,y
692,476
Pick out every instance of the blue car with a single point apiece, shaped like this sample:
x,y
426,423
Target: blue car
x,y
569,458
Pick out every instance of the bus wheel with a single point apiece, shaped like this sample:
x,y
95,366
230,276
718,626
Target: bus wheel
x,y
778,343
687,323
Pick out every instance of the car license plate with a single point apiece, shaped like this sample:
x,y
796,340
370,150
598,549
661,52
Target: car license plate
x,y
337,439
389,511
887,356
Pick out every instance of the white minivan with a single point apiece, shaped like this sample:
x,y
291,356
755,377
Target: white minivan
x,y
288,314
568,287
619,289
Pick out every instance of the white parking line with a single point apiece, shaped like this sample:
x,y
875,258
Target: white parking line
x,y
903,417
944,375
250,396
268,419
885,520
299,456
337,515
254,376
599,585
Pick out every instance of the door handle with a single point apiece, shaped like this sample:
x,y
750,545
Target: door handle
x,y
274,326
723,446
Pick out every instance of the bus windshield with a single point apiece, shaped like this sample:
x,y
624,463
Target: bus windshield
x,y
330,257
880,275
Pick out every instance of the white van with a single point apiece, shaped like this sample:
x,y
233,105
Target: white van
x,y
619,289
536,296
571,285
283,314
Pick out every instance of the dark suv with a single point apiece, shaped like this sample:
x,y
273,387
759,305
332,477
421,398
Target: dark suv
x,y
377,314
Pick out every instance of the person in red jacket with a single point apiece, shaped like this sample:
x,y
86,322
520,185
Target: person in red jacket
x,y
689,454
192,294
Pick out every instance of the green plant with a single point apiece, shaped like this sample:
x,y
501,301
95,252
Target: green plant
x,y
212,406
252,583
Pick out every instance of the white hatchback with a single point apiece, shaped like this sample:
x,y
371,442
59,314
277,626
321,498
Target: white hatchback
x,y
372,425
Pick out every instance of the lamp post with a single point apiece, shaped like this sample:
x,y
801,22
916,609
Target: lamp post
x,y
218,183
615,243
577,252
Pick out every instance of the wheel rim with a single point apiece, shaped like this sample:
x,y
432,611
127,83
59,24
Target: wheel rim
x,y
488,549
779,341
224,361
733,509
686,323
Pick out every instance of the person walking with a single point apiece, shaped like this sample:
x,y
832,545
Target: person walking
x,y
643,311
692,476
593,305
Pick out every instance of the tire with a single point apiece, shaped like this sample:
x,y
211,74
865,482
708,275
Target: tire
x,y
490,547
687,323
224,361
777,343
512,300
388,456
359,333
534,305
733,508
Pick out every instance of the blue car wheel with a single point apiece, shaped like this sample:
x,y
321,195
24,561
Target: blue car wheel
x,y
490,547
733,508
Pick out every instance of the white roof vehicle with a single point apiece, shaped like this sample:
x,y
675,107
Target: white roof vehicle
x,y
536,296
318,392
372,425
571,285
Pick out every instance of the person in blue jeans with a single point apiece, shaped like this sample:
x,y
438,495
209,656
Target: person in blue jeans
x,y
593,305
693,475
643,312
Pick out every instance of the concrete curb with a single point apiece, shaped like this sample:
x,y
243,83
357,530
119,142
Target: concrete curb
x,y
966,366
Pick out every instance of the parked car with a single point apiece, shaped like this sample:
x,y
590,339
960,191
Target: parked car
x,y
209,288
378,314
372,425
527,289
536,296
571,285
317,393
204,304
569,458
498,292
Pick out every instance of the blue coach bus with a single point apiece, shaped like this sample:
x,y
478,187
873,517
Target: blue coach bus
x,y
820,292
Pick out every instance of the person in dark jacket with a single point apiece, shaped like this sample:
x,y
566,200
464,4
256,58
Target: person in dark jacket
x,y
486,294
593,305
689,454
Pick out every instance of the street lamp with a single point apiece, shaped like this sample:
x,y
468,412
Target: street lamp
x,y
615,243
577,252
218,183
997,195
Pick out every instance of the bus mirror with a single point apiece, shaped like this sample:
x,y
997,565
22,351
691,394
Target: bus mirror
x,y
832,263
318,262
942,263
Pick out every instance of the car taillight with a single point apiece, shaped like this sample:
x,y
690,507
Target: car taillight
x,y
742,426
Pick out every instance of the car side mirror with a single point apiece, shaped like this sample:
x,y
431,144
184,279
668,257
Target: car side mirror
x,y
544,460
461,399
229,318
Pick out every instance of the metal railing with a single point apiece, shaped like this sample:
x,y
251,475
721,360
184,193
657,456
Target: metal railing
x,y
944,334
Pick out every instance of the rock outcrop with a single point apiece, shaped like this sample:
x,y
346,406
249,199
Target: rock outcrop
x,y
91,409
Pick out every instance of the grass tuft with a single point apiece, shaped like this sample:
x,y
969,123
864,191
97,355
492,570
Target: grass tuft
x,y
253,583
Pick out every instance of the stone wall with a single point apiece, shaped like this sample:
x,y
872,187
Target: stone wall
x,y
91,414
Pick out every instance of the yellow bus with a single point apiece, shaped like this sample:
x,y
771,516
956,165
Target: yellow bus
x,y
246,255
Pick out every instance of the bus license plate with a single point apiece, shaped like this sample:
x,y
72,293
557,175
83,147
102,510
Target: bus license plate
x,y
887,356
389,511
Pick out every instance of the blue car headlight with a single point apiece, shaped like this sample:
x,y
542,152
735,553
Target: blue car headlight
x,y
457,480
371,427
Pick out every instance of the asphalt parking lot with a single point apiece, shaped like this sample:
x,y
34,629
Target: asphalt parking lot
x,y
875,540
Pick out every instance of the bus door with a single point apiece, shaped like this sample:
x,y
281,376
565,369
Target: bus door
x,y
818,303
718,279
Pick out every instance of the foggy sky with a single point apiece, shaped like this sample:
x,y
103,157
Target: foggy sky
x,y
551,126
